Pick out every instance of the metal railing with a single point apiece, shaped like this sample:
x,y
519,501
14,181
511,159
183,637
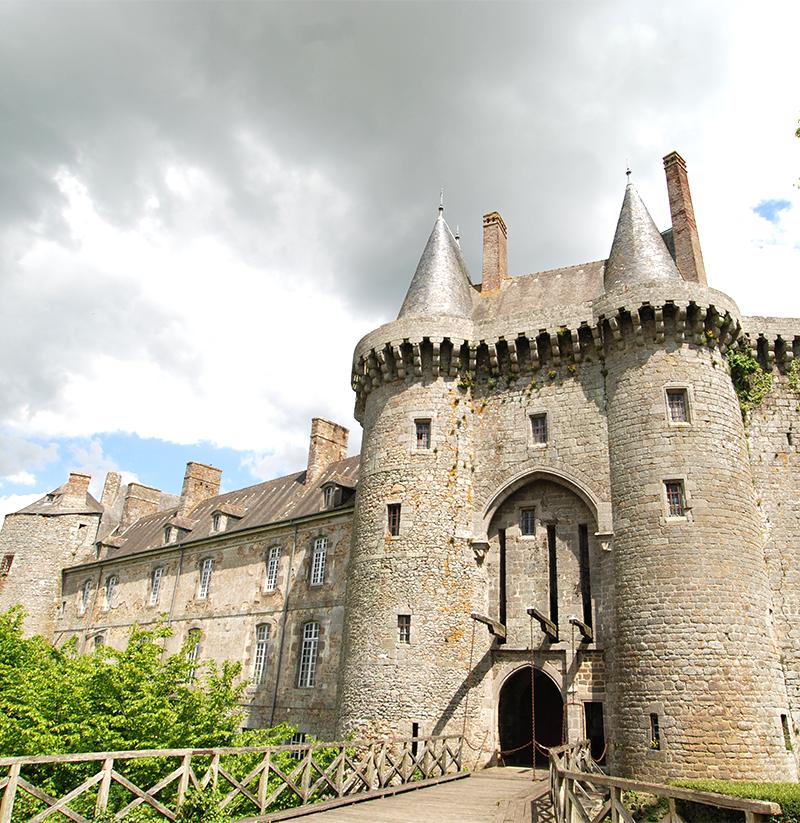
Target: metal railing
x,y
250,783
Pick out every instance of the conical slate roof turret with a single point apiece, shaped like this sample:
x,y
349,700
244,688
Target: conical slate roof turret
x,y
638,253
441,284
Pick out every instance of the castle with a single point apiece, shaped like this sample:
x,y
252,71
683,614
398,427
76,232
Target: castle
x,y
558,514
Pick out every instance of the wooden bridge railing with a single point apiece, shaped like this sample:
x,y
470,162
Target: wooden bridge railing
x,y
252,783
582,793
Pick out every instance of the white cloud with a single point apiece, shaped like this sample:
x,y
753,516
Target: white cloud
x,y
22,478
92,460
14,502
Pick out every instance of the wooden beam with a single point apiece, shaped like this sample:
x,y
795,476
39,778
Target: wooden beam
x,y
496,629
548,627
586,631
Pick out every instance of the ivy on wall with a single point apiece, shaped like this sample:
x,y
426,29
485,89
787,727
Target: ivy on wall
x,y
751,382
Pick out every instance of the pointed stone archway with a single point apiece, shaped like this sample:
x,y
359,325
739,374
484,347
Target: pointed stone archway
x,y
515,714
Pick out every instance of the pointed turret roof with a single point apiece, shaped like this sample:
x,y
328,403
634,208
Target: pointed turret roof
x,y
441,284
638,253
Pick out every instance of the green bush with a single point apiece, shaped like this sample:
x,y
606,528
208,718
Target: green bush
x,y
786,794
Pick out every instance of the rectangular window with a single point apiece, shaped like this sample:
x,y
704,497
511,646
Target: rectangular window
x,y
273,559
423,431
677,405
5,565
318,561
86,593
262,646
297,739
393,518
108,596
170,534
403,628
155,584
329,497
527,522
655,732
539,428
205,578
218,522
676,504
193,652
306,674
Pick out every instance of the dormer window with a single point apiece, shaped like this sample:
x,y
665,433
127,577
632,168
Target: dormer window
x,y
330,496
170,534
218,522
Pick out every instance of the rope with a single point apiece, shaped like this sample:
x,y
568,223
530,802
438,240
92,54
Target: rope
x,y
469,674
533,699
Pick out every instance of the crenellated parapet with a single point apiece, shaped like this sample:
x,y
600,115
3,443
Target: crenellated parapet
x,y
425,349
774,341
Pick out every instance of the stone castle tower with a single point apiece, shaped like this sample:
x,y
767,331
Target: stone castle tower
x,y
562,458
560,526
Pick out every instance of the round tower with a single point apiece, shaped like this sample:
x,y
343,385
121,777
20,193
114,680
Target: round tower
x,y
412,577
697,685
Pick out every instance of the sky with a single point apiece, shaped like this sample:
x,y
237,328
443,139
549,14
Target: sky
x,y
204,206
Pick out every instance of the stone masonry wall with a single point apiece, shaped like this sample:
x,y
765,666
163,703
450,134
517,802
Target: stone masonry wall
x,y
41,546
694,644
237,602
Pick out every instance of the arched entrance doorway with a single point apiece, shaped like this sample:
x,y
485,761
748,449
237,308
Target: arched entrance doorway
x,y
515,717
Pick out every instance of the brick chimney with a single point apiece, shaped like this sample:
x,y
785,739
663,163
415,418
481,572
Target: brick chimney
x,y
328,444
495,252
199,483
139,502
111,489
76,489
688,257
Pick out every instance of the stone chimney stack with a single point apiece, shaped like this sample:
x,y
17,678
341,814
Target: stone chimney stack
x,y
328,444
199,483
688,257
77,489
139,502
111,489
495,252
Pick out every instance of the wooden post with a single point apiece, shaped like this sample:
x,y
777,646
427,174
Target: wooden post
x,y
306,780
340,774
105,785
7,806
371,775
263,784
183,785
673,813
616,797
380,764
214,770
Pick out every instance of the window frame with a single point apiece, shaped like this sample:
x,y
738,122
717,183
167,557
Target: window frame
x,y
261,653
272,567
319,561
85,596
156,576
404,629
111,583
6,563
393,519
523,512
330,496
309,652
204,583
219,522
685,390
193,653
419,423
538,440
684,503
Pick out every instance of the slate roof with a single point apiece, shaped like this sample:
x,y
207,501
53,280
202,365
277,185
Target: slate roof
x,y
59,502
441,283
276,500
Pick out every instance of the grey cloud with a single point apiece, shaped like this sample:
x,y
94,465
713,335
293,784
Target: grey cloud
x,y
18,454
528,108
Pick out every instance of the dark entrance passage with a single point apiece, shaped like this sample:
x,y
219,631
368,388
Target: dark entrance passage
x,y
515,717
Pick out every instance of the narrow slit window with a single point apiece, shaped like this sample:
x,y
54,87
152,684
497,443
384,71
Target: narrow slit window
x,y
527,522
423,431
787,736
586,584
318,561
414,741
262,647
678,406
155,585
306,676
206,569
676,502
403,628
539,428
273,559
655,732
553,572
393,518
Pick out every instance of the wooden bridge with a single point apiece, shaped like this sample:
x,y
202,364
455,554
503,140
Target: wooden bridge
x,y
391,781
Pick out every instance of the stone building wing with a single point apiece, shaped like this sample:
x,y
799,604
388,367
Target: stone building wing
x,y
61,501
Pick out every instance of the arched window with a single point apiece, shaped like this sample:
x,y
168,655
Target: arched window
x,y
85,596
318,559
262,647
108,594
306,673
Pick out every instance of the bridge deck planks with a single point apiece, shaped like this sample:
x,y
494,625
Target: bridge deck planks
x,y
491,796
